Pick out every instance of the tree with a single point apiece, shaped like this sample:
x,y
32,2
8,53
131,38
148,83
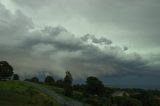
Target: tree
x,y
49,80
15,77
35,79
94,86
6,70
68,89
59,83
79,87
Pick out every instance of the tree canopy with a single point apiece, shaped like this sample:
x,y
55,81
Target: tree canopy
x,y
68,89
34,79
15,77
94,86
49,80
6,70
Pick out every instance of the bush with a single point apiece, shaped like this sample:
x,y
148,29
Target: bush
x,y
93,101
126,101
15,77
6,70
49,80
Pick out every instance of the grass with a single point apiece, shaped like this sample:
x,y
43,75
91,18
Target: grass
x,y
21,94
76,95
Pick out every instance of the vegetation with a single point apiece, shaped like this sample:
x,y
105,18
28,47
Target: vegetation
x,y
126,101
93,92
49,80
15,77
68,89
19,93
6,70
59,83
94,86
34,79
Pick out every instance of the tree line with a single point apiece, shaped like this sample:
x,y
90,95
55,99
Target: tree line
x,y
94,86
93,91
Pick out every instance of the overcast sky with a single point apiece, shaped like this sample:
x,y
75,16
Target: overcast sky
x,y
110,39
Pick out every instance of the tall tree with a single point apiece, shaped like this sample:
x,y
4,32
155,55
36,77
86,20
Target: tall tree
x,y
68,89
94,86
49,80
6,70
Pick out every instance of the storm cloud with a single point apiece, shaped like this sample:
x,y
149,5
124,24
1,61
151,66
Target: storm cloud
x,y
55,50
127,22
115,41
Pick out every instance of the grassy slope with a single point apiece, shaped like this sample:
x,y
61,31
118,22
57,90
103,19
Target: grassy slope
x,y
76,95
19,93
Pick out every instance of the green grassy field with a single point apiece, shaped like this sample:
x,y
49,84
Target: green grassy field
x,y
21,94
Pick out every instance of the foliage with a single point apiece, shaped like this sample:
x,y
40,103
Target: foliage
x,y
35,79
126,101
68,89
15,77
79,87
6,70
147,98
93,101
59,83
94,86
16,93
49,80
76,94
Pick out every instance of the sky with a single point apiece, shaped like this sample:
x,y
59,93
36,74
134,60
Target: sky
x,y
114,40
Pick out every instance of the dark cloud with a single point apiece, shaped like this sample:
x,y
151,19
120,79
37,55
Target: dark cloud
x,y
125,48
124,20
100,40
55,50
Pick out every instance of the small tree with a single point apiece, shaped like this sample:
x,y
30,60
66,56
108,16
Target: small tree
x,y
6,70
94,86
68,90
49,80
15,77
35,79
59,83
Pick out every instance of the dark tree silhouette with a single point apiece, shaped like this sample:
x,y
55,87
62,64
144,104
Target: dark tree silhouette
x,y
59,83
94,86
34,79
6,70
15,77
68,89
49,80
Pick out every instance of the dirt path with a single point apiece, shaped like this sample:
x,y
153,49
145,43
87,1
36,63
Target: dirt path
x,y
56,96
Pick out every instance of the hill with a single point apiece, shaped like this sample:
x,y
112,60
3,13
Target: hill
x,y
20,93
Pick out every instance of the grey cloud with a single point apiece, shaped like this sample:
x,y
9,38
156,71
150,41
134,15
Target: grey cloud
x,y
3,21
127,19
100,40
125,48
55,49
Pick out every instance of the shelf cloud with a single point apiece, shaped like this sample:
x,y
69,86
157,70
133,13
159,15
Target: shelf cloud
x,y
87,37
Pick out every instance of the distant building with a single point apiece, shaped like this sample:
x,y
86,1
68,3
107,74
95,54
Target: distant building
x,y
120,93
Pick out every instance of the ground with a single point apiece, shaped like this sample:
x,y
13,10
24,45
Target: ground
x,y
57,93
21,93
